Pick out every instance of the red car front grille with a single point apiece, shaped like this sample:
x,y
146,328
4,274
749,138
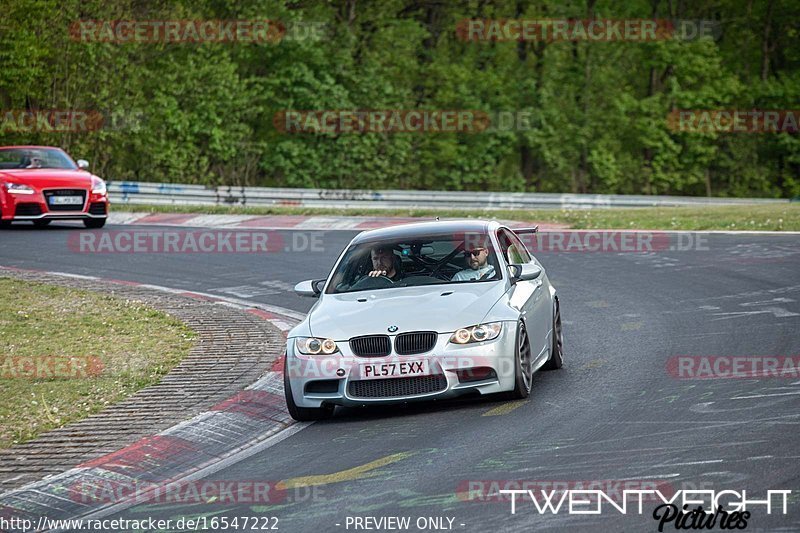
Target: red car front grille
x,y
65,192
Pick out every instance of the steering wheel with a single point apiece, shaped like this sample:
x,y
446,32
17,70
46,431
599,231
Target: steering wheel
x,y
369,282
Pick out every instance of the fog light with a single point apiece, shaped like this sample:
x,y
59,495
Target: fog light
x,y
480,373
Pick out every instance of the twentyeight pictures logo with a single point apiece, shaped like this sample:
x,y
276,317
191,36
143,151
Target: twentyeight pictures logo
x,y
685,509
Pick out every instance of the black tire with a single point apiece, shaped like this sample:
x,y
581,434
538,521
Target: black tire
x,y
41,222
556,360
94,223
523,377
303,414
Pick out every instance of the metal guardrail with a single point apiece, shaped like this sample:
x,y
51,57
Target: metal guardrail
x,y
176,194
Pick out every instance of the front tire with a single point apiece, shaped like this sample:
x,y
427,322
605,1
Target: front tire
x,y
523,376
556,360
94,223
303,414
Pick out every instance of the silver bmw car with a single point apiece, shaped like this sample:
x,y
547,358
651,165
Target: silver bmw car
x,y
423,311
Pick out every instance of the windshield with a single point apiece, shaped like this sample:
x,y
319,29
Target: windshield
x,y
437,259
19,158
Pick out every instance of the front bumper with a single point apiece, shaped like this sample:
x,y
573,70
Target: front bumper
x,y
454,370
30,207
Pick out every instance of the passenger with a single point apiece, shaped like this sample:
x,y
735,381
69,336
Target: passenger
x,y
479,267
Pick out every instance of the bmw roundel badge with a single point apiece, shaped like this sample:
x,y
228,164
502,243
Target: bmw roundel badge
x,y
392,329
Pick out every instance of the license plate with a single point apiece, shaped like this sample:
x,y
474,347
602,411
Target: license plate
x,y
396,369
66,200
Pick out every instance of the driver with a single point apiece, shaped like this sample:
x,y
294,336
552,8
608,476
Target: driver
x,y
385,263
32,160
479,267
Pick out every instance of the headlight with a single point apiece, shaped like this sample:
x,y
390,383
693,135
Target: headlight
x,y
18,188
315,346
98,186
479,333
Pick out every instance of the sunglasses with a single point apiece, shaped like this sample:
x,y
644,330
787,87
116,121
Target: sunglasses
x,y
476,252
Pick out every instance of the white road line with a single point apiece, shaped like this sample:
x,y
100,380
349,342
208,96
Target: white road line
x,y
662,465
334,223
637,478
76,276
765,395
289,313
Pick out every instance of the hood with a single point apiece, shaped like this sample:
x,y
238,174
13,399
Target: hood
x,y
429,308
47,178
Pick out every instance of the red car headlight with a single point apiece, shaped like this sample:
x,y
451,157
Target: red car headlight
x,y
19,188
98,186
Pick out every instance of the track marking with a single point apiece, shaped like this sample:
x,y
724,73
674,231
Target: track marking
x,y
351,474
778,312
765,395
76,276
631,326
243,453
595,363
505,408
289,313
689,463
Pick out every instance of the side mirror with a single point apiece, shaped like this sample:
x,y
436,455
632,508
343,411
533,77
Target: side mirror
x,y
83,164
309,287
524,272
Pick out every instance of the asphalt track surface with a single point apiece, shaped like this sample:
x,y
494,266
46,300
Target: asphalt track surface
x,y
612,413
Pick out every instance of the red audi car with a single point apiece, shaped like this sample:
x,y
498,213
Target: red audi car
x,y
41,184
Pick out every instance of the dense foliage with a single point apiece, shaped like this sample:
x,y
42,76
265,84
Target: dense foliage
x,y
203,113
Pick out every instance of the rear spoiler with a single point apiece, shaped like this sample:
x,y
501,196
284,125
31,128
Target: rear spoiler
x,y
522,231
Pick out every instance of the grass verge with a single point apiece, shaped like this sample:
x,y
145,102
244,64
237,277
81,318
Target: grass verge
x,y
65,354
774,217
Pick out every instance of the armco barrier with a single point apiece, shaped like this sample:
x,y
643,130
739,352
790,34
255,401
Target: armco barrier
x,y
178,194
